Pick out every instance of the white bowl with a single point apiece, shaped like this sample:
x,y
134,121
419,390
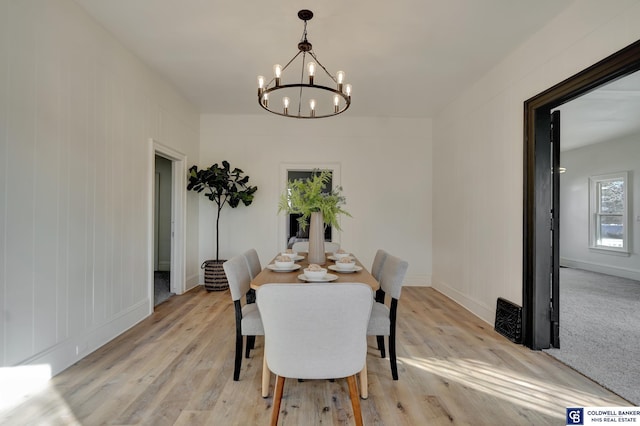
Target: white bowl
x,y
287,264
315,275
291,255
340,255
345,266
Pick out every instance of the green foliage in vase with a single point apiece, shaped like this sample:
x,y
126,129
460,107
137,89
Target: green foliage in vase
x,y
222,186
305,196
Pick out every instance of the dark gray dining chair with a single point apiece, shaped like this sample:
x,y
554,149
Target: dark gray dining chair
x,y
383,317
248,321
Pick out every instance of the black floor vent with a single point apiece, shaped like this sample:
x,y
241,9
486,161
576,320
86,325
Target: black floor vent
x,y
509,320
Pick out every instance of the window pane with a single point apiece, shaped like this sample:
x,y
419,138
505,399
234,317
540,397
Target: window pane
x,y
611,196
611,229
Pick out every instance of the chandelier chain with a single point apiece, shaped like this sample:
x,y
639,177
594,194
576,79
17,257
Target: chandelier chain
x,y
304,55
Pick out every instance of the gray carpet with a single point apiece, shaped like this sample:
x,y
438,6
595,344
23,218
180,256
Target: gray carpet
x,y
161,287
600,329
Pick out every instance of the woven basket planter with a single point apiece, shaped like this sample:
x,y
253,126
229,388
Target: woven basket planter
x,y
214,277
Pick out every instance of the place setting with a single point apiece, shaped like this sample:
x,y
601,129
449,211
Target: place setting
x,y
344,263
317,274
284,263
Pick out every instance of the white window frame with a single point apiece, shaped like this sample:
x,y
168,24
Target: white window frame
x,y
594,213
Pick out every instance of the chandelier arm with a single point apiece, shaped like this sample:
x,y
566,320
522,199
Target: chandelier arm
x,y
292,59
322,66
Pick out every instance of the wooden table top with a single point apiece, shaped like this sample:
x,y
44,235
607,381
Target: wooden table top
x,y
267,276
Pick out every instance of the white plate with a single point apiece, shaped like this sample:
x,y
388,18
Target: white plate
x,y
327,278
298,257
286,269
344,271
332,257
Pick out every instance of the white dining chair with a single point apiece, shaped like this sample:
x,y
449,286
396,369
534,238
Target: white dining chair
x,y
253,261
378,261
383,318
315,331
303,246
248,321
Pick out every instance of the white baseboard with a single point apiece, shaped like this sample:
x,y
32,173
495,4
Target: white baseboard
x,y
417,281
66,353
193,281
616,271
478,309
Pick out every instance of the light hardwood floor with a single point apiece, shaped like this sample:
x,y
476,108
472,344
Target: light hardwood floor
x,y
176,368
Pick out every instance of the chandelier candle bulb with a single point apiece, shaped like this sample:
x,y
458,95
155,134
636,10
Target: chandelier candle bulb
x,y
340,78
347,90
285,103
265,100
312,105
312,71
336,103
277,70
260,85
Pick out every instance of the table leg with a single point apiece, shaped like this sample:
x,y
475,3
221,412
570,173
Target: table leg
x,y
266,377
364,384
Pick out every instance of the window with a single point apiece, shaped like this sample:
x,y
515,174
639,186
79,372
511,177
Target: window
x,y
608,201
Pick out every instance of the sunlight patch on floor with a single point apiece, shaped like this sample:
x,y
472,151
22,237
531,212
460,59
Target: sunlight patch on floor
x,y
501,382
30,384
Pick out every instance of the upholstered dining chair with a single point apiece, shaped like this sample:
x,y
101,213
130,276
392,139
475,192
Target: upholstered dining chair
x,y
378,261
248,321
315,331
253,262
329,247
383,318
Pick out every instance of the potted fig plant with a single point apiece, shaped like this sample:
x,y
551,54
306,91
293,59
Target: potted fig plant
x,y
318,208
223,186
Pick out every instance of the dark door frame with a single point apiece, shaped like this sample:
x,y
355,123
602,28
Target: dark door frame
x,y
538,182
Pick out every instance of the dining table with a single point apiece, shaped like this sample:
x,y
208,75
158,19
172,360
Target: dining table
x,y
271,274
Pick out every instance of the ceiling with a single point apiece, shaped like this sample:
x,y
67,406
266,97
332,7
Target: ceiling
x,y
404,58
609,112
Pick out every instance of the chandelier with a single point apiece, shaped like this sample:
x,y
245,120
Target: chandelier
x,y
317,94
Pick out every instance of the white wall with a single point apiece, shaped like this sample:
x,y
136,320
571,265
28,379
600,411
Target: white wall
x,y
385,172
608,157
478,154
77,111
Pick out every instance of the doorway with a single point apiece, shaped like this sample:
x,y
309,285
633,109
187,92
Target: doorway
x,y
162,231
167,212
539,268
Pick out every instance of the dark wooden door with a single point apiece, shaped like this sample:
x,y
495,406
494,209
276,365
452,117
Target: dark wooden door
x,y
554,303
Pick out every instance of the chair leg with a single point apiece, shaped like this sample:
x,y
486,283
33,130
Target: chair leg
x,y
355,400
238,360
277,399
251,341
380,340
392,355
392,338
266,377
364,383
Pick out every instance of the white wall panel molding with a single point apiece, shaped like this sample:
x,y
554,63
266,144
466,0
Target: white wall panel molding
x,y
76,113
58,356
